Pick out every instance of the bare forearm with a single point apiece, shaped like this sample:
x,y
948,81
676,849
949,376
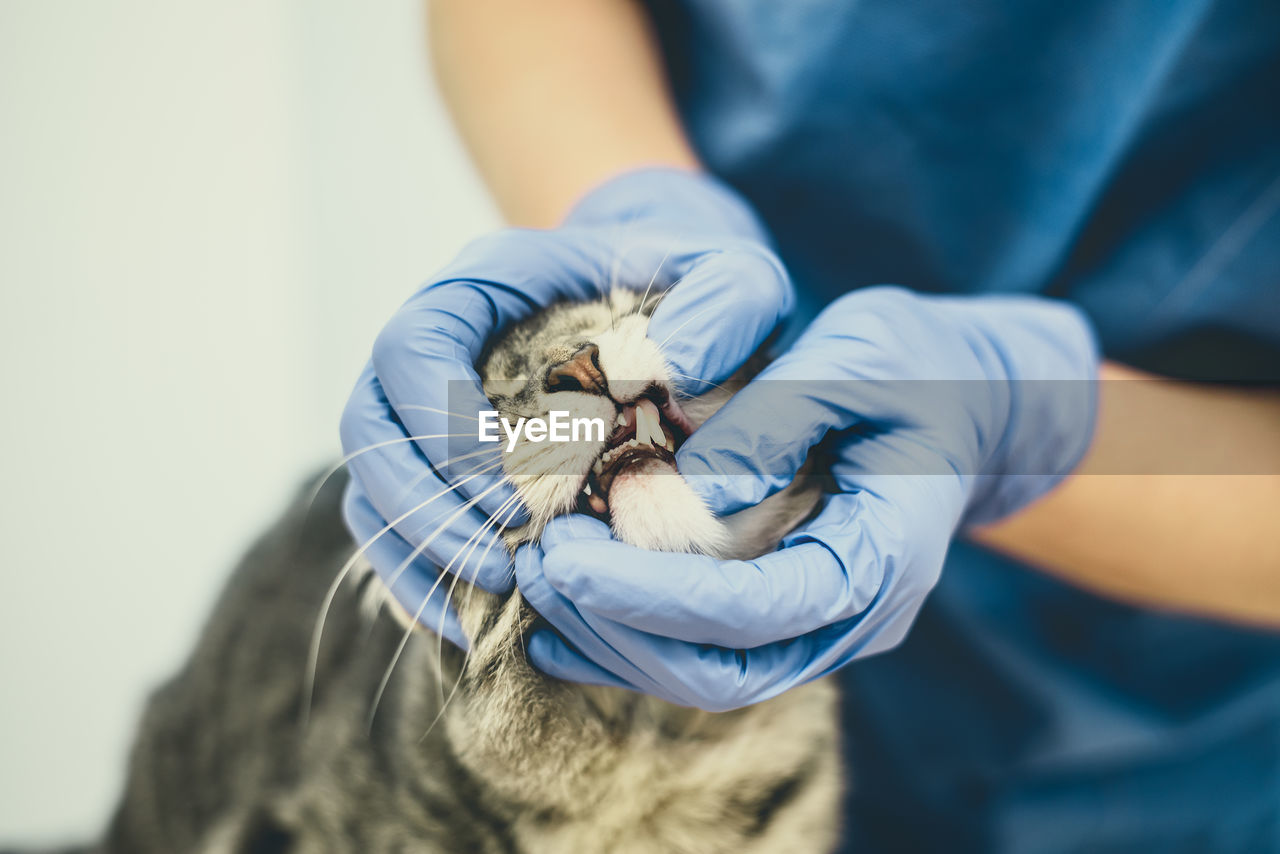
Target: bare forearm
x,y
1136,523
554,97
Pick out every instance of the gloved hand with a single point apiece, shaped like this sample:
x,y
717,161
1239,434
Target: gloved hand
x,y
938,411
412,506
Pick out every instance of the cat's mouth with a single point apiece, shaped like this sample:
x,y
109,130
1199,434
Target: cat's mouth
x,y
644,441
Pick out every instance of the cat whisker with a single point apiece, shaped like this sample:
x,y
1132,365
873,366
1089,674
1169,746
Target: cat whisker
x,y
399,440
466,658
524,650
619,254
421,408
386,677
440,467
408,632
314,493
699,380
313,653
654,277
688,320
613,283
473,541
395,576
505,506
662,296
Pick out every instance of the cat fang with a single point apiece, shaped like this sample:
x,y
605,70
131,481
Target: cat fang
x,y
640,440
559,427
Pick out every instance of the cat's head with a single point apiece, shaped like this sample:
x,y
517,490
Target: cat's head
x,y
589,360
593,362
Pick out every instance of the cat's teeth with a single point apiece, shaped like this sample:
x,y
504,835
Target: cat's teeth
x,y
649,433
648,423
586,489
622,420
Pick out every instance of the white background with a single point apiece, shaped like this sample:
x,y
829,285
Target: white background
x,y
207,211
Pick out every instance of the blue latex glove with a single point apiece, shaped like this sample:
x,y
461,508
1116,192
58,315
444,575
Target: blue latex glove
x,y
420,499
937,413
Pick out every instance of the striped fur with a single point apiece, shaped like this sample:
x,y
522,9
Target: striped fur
x,y
515,762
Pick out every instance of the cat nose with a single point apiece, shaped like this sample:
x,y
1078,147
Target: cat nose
x,y
580,373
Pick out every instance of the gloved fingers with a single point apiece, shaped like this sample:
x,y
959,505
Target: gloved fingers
x,y
517,271
890,532
554,657
852,370
909,470
424,357
707,677
422,371
757,442
420,591
678,200
719,679
574,527
448,530
719,313
562,614
733,603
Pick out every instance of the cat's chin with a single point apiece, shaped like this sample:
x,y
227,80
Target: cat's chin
x,y
653,507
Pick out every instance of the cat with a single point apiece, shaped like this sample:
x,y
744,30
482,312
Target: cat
x,y
481,752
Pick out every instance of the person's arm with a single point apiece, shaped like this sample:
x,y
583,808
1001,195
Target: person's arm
x,y
555,97
1131,525
564,108
552,98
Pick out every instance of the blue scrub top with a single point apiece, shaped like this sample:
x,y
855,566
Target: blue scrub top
x,y
1121,155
